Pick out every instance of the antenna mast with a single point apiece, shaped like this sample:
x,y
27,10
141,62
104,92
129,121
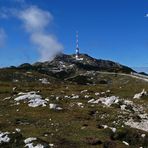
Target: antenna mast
x,y
77,45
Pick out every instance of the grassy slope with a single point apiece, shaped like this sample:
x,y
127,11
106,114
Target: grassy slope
x,y
72,126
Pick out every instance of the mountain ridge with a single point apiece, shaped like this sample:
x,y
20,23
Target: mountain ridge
x,y
85,62
67,68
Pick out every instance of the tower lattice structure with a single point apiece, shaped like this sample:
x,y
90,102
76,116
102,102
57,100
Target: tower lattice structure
x,y
77,45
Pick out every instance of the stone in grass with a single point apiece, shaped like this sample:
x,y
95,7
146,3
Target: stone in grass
x,y
109,144
16,139
92,141
37,143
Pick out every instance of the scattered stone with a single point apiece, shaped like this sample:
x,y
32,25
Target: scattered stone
x,y
105,126
143,125
108,91
57,98
139,95
123,107
51,145
30,139
18,130
79,104
83,91
97,93
33,99
86,96
8,98
91,101
108,101
143,135
14,88
75,97
54,106
44,81
4,137
125,143
113,129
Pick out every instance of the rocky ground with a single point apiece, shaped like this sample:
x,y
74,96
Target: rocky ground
x,y
84,109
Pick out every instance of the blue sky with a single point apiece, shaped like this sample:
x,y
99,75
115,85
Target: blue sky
x,y
108,29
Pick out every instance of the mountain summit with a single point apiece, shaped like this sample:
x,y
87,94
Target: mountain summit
x,y
70,68
69,63
66,67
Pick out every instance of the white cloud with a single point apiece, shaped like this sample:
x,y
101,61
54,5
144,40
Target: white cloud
x,y
2,37
48,46
36,21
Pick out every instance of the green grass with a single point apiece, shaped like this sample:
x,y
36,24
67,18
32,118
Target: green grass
x,y
72,125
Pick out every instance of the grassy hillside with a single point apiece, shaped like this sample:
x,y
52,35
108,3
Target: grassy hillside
x,y
78,122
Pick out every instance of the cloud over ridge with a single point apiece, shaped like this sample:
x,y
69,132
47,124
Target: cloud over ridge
x,y
35,22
